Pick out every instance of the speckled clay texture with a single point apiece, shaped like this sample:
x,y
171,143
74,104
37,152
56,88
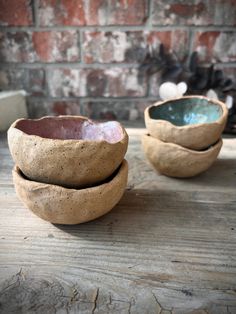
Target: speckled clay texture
x,y
196,136
176,161
69,206
70,162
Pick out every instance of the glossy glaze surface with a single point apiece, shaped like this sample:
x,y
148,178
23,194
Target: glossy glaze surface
x,y
66,128
187,111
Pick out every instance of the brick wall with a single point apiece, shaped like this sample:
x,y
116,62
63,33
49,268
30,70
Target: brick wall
x,y
83,56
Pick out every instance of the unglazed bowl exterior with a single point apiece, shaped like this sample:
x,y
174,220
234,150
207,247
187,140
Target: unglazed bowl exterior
x,y
193,122
62,205
176,161
70,151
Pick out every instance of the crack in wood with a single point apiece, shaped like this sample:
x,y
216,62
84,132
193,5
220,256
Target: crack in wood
x,y
75,294
158,303
117,300
129,308
95,301
16,283
186,292
9,286
203,264
110,299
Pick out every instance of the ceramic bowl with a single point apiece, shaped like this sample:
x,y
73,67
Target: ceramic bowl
x,y
61,205
176,161
70,151
194,122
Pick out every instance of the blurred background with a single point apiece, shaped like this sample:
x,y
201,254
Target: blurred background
x,y
107,58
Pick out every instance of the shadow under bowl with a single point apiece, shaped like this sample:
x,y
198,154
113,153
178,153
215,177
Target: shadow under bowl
x,y
194,122
61,205
176,161
70,151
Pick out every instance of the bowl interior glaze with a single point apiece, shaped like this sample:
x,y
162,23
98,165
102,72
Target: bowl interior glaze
x,y
188,111
67,128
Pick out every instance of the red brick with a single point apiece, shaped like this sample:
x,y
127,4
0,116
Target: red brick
x,y
13,79
50,46
39,108
16,12
98,110
31,80
127,12
66,82
16,47
111,82
216,46
131,46
91,12
66,108
62,12
36,85
154,84
97,12
116,46
56,46
194,12
115,109
174,41
119,82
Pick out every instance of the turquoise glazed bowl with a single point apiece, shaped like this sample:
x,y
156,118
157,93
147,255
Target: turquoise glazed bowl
x,y
193,122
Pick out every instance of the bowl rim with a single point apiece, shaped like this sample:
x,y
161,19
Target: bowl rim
x,y
66,117
59,188
219,142
188,126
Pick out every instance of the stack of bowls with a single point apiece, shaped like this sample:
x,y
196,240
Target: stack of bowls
x,y
69,169
184,135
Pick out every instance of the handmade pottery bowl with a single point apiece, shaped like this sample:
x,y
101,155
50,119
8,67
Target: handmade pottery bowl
x,y
70,151
194,122
176,161
61,205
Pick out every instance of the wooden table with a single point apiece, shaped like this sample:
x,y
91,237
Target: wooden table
x,y
168,247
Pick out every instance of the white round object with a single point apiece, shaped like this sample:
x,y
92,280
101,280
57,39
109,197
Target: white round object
x,y
229,102
168,90
211,94
182,88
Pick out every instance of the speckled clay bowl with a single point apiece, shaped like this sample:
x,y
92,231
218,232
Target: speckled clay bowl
x,y
61,205
70,151
176,161
194,122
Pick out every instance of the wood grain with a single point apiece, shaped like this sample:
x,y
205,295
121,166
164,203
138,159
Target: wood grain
x,y
168,247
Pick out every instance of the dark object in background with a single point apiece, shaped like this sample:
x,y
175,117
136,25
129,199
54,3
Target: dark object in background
x,y
199,78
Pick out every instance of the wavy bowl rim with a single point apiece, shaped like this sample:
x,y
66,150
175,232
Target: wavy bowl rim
x,y
189,126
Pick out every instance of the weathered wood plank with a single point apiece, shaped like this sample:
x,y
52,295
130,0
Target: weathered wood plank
x,y
197,235
169,246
